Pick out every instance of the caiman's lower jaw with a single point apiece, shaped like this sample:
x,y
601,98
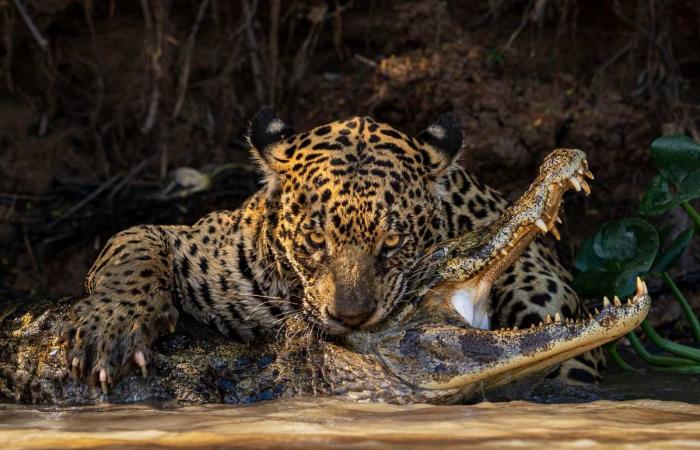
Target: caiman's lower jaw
x,y
537,212
498,357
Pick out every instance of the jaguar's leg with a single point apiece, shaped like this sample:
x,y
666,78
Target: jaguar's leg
x,y
535,286
128,306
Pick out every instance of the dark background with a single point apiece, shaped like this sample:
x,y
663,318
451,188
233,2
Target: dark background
x,y
105,101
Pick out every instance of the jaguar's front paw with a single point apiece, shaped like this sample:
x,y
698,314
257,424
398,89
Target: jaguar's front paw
x,y
106,339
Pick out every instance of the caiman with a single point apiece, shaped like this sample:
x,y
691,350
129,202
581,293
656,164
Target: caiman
x,y
426,351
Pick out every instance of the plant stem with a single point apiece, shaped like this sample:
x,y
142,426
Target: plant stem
x,y
612,351
671,347
687,310
655,359
692,213
690,369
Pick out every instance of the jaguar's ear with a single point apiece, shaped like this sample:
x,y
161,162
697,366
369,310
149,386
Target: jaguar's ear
x,y
267,136
445,138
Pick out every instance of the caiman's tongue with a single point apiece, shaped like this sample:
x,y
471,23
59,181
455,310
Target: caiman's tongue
x,y
461,271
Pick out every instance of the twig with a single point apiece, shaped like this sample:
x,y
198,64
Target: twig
x,y
614,58
189,47
11,196
254,50
156,52
316,16
516,33
86,200
30,252
128,177
43,43
365,60
8,24
10,212
275,7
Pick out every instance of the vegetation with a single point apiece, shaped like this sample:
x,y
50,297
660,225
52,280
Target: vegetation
x,y
620,250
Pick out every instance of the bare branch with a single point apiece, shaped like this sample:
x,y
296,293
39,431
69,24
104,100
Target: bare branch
x,y
189,47
254,50
275,7
43,42
155,51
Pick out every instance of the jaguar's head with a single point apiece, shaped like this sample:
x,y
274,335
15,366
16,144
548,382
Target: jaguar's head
x,y
355,203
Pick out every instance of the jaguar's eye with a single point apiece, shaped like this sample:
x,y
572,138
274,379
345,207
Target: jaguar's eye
x,y
392,242
316,240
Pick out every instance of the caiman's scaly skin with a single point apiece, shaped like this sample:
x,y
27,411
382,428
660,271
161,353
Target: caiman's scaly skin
x,y
424,352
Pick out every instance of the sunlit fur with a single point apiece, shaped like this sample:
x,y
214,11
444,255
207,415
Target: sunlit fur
x,y
356,182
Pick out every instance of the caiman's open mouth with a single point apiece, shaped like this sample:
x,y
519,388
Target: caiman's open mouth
x,y
480,261
438,356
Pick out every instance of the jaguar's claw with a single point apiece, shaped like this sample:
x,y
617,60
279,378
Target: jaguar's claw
x,y
140,361
104,381
75,369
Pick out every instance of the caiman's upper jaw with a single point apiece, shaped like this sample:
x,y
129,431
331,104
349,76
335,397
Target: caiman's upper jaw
x,y
469,267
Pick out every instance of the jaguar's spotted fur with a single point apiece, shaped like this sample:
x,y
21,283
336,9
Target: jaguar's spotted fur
x,y
345,210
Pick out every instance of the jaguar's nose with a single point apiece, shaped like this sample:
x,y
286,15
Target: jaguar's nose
x,y
351,317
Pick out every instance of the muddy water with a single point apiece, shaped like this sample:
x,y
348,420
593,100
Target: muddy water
x,y
648,422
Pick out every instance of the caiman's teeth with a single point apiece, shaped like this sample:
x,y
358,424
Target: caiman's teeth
x,y
515,328
616,301
555,233
504,252
557,317
540,324
580,170
532,325
589,174
641,287
558,219
541,225
590,316
586,188
548,319
606,302
574,182
629,301
596,311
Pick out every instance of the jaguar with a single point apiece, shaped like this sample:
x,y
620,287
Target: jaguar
x,y
345,211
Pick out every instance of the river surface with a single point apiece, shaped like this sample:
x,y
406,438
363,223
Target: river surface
x,y
647,411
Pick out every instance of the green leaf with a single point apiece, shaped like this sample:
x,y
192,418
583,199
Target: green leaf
x,y
678,160
610,260
689,188
659,197
676,157
670,256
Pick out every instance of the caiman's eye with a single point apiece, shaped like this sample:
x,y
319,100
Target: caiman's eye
x,y
316,240
392,241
